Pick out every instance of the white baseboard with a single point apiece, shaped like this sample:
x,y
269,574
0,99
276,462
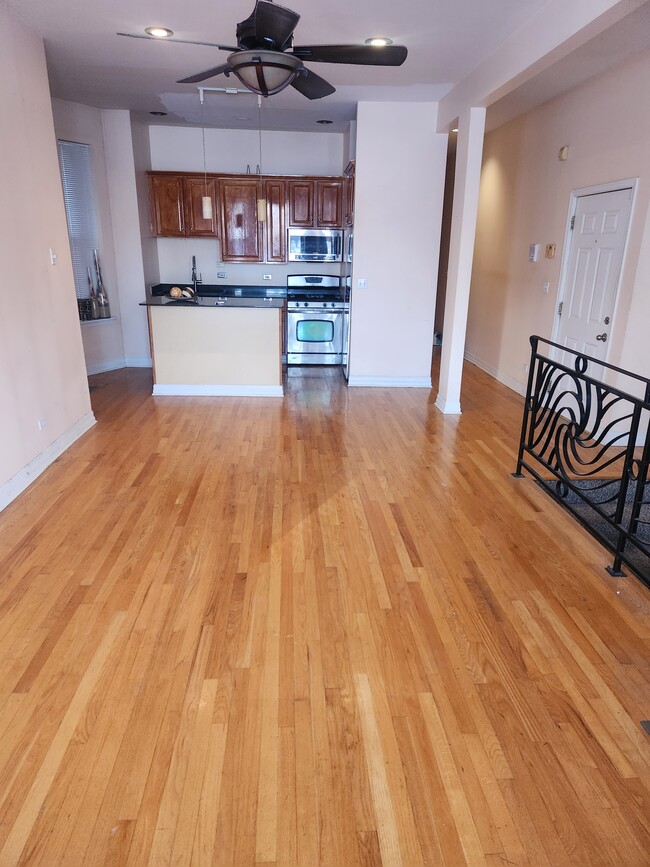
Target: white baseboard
x,y
503,378
448,407
105,366
23,478
390,381
118,364
218,390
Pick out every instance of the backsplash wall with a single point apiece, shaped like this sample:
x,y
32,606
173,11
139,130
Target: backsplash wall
x,y
175,261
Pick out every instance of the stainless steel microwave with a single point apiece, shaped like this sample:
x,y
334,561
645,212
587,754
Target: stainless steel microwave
x,y
315,245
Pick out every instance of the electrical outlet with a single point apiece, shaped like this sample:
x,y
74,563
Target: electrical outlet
x,y
221,275
362,283
52,257
41,423
267,276
547,286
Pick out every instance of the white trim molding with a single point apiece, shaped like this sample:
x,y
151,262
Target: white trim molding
x,y
503,378
448,407
390,381
218,391
23,478
117,364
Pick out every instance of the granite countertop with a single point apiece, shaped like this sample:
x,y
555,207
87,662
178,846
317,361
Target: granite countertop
x,y
219,301
211,290
215,295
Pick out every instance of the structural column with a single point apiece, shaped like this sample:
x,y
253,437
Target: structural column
x,y
469,153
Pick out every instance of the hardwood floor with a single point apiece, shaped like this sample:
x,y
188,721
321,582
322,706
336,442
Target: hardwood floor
x,y
325,630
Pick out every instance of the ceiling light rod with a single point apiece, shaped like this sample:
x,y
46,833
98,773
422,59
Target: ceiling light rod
x,y
261,202
206,201
203,90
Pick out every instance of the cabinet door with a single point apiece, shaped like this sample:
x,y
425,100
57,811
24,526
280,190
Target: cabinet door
x,y
194,190
349,194
241,233
276,235
329,204
301,202
166,203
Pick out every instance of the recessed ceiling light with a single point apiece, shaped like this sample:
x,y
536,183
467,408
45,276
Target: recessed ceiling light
x,y
242,118
159,32
158,113
455,130
379,41
324,121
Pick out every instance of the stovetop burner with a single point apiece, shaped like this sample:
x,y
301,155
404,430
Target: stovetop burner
x,y
314,288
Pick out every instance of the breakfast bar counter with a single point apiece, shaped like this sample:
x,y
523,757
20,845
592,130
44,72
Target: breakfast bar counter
x,y
216,346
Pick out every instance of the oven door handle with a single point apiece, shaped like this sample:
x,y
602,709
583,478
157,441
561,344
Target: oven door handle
x,y
308,310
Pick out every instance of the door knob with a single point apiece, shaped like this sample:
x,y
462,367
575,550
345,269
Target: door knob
x,y
602,337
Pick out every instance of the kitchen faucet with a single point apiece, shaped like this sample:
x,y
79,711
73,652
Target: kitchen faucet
x,y
194,278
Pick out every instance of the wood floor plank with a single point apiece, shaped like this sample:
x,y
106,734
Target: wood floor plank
x,y
326,631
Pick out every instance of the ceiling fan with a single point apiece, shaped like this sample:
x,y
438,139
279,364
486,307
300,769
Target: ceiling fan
x,y
266,61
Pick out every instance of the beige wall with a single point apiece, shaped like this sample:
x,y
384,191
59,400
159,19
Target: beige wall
x,y
42,371
400,177
103,346
179,149
525,193
125,217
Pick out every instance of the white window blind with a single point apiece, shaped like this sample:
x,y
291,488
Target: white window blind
x,y
78,193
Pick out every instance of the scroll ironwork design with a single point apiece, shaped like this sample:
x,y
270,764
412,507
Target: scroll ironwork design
x,y
585,438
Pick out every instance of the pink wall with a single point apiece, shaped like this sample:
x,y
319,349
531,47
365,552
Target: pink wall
x,y
42,371
525,193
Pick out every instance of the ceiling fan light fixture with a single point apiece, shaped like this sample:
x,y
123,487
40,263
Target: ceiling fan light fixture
x,y
379,41
159,32
265,72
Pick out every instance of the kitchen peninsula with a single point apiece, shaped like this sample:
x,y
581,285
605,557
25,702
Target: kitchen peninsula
x,y
225,344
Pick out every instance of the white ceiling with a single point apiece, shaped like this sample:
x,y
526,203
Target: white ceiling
x,y
90,64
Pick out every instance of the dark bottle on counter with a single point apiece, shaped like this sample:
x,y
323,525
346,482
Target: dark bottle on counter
x,y
102,297
94,306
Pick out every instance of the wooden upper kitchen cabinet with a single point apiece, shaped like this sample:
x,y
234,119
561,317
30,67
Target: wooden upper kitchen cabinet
x,y
300,195
176,205
276,233
315,202
241,232
348,188
194,189
329,207
166,205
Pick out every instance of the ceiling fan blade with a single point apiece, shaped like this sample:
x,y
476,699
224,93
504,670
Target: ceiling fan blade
x,y
363,55
183,41
312,86
207,73
274,24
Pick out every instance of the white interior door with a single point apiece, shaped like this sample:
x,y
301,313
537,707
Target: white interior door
x,y
595,259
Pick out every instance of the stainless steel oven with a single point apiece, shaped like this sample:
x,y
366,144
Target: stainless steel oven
x,y
315,312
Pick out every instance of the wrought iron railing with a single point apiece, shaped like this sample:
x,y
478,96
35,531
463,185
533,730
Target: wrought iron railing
x,y
585,438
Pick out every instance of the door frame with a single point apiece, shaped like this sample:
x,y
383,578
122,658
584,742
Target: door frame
x,y
596,189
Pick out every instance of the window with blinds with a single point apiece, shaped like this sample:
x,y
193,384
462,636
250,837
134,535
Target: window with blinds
x,y
78,193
